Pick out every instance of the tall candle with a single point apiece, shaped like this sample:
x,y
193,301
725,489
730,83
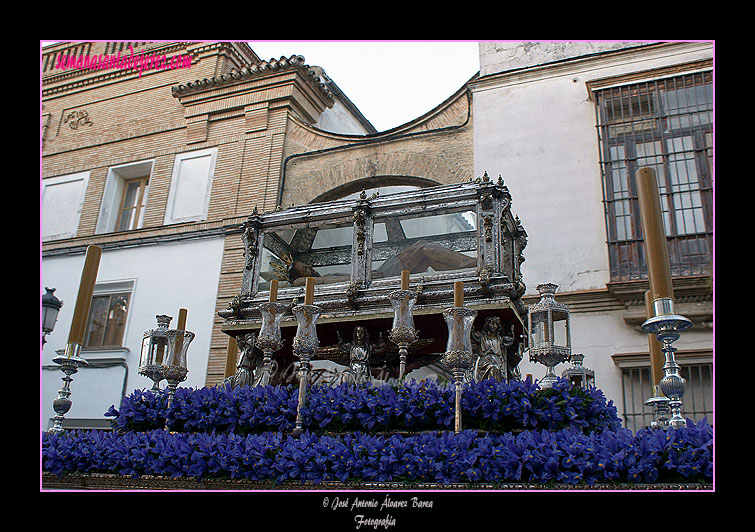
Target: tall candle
x,y
458,294
309,292
656,354
182,319
404,279
656,250
273,290
230,357
84,298
179,338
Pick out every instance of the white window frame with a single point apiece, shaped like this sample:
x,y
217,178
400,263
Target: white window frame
x,y
180,158
113,194
118,353
64,232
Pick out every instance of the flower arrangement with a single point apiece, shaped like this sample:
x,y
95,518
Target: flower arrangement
x,y
514,432
536,456
415,406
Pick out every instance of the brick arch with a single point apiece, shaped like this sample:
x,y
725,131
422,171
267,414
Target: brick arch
x,y
328,176
366,183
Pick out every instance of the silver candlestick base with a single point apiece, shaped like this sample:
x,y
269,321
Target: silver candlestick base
x,y
665,325
304,346
269,338
402,332
660,405
69,363
458,356
175,367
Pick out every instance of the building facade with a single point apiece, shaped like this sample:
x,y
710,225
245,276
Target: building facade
x,y
161,167
567,125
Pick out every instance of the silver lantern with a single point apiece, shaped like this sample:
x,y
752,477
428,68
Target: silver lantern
x,y
549,329
578,374
154,351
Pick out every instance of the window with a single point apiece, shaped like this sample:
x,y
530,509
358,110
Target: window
x,y
190,186
62,199
132,206
697,401
665,124
125,197
108,315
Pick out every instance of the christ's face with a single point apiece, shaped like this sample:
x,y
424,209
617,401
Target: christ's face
x,y
494,324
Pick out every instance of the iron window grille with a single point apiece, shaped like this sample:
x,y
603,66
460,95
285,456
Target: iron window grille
x,y
697,399
666,124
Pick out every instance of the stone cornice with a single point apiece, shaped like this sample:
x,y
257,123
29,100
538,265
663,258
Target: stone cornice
x,y
73,79
295,62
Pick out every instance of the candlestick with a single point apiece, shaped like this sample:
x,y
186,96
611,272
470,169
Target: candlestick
x,y
273,290
404,279
84,299
656,249
309,291
458,356
304,347
269,339
654,346
458,294
402,332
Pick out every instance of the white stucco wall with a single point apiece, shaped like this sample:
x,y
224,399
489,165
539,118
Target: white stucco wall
x,y
535,125
166,277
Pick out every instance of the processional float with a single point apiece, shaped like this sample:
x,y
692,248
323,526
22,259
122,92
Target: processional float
x,y
382,286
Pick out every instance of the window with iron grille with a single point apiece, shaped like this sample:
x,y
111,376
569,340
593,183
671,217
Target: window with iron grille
x,y
697,401
666,124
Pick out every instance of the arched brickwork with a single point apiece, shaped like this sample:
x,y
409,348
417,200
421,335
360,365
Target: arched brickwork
x,y
435,149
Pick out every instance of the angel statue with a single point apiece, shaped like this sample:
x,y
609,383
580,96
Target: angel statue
x,y
360,349
496,358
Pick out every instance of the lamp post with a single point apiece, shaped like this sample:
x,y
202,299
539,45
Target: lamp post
x,y
549,328
50,309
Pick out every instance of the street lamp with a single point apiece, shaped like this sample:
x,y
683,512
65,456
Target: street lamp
x,y
50,308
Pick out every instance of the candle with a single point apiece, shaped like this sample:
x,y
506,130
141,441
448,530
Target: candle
x,y
84,298
656,355
404,279
182,319
273,290
309,292
656,250
230,357
179,338
458,294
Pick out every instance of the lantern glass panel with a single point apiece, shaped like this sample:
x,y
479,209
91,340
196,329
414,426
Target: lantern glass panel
x,y
560,333
422,243
49,316
540,333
